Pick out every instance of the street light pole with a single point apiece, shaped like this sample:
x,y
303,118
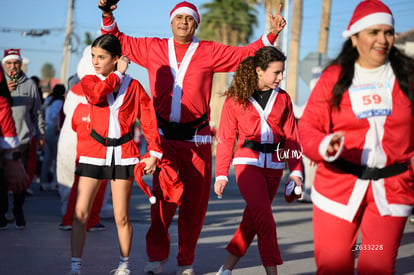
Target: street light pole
x,y
67,47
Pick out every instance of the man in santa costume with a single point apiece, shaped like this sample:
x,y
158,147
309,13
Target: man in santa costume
x,y
181,71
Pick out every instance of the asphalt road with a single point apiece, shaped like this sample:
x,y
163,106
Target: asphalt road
x,y
41,248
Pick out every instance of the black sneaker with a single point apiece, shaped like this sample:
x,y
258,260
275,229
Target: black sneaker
x,y
98,227
3,223
19,216
9,217
65,227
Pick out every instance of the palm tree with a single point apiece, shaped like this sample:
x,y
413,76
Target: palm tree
x,y
294,44
229,22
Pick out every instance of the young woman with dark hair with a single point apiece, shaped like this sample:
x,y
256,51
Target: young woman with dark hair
x,y
108,152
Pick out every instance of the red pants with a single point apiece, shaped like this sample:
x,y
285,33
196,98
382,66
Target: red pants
x,y
335,240
94,217
193,161
258,187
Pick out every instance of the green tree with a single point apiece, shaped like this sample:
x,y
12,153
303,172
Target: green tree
x,y
88,38
230,22
48,72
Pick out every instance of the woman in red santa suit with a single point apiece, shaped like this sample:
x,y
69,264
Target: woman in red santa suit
x,y
181,70
109,152
258,116
358,125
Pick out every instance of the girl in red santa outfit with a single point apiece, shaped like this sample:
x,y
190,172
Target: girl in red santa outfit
x,y
258,116
109,152
358,125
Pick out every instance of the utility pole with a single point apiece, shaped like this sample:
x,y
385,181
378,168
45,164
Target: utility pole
x,y
67,47
294,47
324,28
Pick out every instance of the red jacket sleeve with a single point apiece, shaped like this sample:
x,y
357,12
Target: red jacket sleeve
x,y
315,123
8,135
292,141
227,136
148,121
96,90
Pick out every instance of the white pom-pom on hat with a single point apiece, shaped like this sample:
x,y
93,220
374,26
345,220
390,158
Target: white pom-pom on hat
x,y
153,200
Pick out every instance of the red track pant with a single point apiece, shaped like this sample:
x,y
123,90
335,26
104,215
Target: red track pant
x,y
94,218
335,240
258,187
193,161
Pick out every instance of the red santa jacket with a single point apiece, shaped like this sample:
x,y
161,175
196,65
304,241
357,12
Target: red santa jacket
x,y
339,193
8,135
276,123
181,93
114,117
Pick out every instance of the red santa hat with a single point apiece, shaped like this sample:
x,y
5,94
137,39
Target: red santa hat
x,y
139,173
171,185
186,8
366,14
11,54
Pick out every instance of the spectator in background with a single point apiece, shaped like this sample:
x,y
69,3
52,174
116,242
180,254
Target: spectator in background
x,y
39,88
35,162
27,115
12,173
52,109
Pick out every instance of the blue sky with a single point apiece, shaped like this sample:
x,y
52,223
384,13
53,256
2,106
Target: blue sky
x,y
151,18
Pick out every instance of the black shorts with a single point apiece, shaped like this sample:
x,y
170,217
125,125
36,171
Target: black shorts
x,y
105,172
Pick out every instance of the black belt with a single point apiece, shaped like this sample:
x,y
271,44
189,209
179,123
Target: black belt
x,y
370,173
182,131
262,147
108,142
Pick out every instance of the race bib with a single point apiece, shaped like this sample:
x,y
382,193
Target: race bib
x,y
371,99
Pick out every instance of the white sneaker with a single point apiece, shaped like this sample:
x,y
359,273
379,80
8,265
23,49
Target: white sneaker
x,y
223,271
185,270
154,267
120,271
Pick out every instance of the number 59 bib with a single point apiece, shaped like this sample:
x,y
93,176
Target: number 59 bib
x,y
372,98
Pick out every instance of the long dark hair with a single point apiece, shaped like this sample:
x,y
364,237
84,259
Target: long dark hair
x,y
401,64
58,92
109,43
4,89
245,78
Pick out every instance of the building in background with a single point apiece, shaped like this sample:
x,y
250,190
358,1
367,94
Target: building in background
x,y
405,42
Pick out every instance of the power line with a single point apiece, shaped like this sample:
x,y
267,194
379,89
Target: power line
x,y
30,32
